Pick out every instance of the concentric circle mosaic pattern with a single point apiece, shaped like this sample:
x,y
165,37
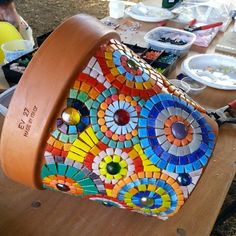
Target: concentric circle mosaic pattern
x,y
125,137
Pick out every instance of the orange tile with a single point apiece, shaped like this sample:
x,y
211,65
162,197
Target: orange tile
x,y
93,93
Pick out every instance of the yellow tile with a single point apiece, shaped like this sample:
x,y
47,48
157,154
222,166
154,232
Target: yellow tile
x,y
116,158
123,163
92,135
118,176
128,195
102,164
109,192
151,168
108,159
76,157
160,191
85,137
78,143
165,197
142,187
166,204
123,172
78,151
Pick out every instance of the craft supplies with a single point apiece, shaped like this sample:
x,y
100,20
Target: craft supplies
x,y
161,61
214,70
171,40
206,12
14,70
148,13
203,27
195,87
151,55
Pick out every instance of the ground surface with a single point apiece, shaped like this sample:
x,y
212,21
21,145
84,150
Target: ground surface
x,y
44,15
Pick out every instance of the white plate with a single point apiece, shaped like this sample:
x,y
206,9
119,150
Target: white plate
x,y
147,13
214,70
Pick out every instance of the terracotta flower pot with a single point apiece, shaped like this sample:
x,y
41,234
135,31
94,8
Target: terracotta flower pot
x,y
90,118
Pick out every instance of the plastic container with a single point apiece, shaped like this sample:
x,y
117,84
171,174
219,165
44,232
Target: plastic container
x,y
195,86
185,87
16,48
12,76
152,38
116,9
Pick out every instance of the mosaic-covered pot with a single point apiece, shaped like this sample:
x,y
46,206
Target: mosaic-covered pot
x,y
90,118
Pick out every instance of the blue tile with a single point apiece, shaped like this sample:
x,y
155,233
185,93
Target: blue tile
x,y
154,159
144,143
151,132
142,122
162,164
149,105
135,140
148,151
142,133
165,156
204,160
155,99
188,168
95,104
151,122
153,113
197,165
129,76
105,140
93,120
183,160
72,129
128,143
179,169
144,112
170,167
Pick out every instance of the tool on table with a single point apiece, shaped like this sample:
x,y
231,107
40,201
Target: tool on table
x,y
226,114
192,28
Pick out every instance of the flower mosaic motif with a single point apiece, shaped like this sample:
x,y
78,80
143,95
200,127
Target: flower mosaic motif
x,y
127,137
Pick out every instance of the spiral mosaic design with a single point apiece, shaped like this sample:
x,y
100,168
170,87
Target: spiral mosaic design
x,y
115,119
75,179
152,193
112,165
174,136
126,137
127,72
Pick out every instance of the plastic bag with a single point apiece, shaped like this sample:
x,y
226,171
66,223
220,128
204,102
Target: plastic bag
x,y
207,11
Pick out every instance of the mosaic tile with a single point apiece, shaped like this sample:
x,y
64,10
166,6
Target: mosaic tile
x,y
126,138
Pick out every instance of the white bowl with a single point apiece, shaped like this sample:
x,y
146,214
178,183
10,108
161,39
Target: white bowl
x,y
214,70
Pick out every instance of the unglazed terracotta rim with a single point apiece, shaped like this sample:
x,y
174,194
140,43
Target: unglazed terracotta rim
x,y
48,76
